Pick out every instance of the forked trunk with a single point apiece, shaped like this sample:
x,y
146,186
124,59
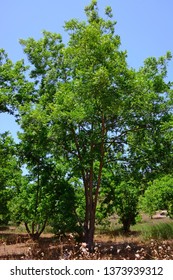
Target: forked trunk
x,y
35,234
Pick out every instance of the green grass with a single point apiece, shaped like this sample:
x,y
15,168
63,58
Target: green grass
x,y
146,229
157,231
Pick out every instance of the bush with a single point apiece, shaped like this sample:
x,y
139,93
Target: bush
x,y
159,195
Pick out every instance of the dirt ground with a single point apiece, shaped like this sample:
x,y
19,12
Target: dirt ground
x,y
20,247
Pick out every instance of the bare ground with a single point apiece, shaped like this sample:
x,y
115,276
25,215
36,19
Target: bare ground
x,y
20,247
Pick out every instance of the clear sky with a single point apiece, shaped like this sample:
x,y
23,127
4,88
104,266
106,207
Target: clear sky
x,y
145,28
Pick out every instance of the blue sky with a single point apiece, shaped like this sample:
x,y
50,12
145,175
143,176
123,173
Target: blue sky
x,y
145,28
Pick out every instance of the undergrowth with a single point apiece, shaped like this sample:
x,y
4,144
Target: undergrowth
x,y
160,231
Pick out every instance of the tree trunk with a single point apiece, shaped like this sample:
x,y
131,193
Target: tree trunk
x,y
34,235
126,226
91,231
89,225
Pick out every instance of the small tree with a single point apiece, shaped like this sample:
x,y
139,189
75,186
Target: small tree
x,y
45,189
126,204
159,195
38,204
31,205
120,196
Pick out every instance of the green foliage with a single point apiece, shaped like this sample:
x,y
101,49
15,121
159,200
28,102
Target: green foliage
x,y
10,174
25,206
121,198
119,195
126,202
66,217
51,202
15,89
88,114
159,195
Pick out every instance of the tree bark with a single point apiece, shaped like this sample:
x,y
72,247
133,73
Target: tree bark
x,y
89,228
92,192
35,235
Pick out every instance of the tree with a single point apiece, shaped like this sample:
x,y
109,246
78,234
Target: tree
x,y
150,149
88,112
45,190
96,111
93,102
126,204
81,91
120,195
10,174
49,201
159,195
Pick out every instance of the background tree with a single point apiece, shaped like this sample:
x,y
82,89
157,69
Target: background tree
x,y
15,88
51,201
150,149
120,195
10,174
159,196
45,190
